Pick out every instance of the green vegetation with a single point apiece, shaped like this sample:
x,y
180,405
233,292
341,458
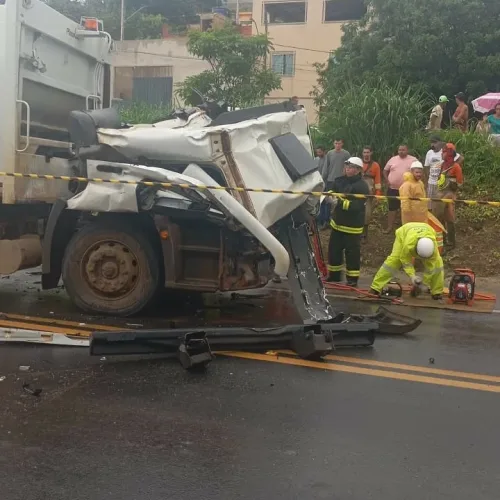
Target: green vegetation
x,y
482,160
385,115
373,113
237,74
144,18
446,45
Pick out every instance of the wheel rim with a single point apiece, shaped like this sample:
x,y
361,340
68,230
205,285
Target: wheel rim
x,y
110,269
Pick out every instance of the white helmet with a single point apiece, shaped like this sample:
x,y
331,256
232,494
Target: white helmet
x,y
425,248
416,164
355,162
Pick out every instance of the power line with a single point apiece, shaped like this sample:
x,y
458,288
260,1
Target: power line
x,y
188,58
303,48
159,55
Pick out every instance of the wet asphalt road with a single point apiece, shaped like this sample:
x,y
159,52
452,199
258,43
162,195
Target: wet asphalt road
x,y
133,429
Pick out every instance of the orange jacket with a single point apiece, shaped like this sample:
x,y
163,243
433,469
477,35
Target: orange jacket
x,y
373,171
452,178
412,211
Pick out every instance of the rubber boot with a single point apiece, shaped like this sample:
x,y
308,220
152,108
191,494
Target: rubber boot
x,y
352,282
450,240
334,277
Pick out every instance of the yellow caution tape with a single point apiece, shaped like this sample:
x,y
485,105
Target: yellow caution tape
x,y
198,187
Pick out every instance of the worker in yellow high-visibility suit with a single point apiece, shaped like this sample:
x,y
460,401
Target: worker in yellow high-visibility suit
x,y
413,240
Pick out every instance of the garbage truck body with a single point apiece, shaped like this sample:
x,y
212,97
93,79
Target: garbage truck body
x,y
50,66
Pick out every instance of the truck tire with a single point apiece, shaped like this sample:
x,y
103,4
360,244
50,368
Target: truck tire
x,y
111,268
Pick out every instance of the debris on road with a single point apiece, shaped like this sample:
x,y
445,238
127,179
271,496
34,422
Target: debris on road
x,y
2,378
24,368
33,392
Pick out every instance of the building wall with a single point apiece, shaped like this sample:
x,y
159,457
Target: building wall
x,y
170,56
309,42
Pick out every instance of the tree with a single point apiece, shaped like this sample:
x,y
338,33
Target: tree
x,y
176,12
446,45
144,17
142,25
237,73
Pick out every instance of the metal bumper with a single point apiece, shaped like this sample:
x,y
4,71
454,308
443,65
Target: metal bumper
x,y
194,347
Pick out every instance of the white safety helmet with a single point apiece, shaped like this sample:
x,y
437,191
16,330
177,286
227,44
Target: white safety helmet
x,y
416,164
354,161
425,248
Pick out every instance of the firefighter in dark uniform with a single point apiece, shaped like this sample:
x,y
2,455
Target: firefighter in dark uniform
x,y
347,222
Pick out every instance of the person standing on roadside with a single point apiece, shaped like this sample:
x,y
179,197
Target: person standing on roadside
x,y
335,161
413,187
449,182
348,216
321,159
394,172
436,117
372,175
432,164
494,125
461,116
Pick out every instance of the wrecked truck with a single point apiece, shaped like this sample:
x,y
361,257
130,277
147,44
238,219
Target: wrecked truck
x,y
127,240
169,206
183,211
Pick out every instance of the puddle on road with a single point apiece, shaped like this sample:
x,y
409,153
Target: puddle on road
x,y
260,307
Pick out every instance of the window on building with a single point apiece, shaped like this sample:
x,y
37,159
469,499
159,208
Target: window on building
x,y
283,63
285,12
344,10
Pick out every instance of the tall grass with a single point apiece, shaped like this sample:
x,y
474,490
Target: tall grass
x,y
385,116
482,158
374,113
143,112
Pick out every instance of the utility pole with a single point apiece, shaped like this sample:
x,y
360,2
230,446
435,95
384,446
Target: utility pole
x,y
122,20
238,12
266,31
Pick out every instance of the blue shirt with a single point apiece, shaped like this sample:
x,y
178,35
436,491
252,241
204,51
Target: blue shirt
x,y
494,124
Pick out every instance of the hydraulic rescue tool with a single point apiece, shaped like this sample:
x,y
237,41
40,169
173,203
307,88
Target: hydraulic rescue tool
x,y
392,289
462,286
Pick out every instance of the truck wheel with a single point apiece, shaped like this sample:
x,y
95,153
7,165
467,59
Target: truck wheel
x,y
111,269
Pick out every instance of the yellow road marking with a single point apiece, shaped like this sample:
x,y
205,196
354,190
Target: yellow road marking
x,y
366,371
45,328
61,326
415,368
410,368
42,320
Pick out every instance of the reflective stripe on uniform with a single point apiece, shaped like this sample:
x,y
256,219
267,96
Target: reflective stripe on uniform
x,y
345,204
434,271
346,229
390,269
353,274
334,269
